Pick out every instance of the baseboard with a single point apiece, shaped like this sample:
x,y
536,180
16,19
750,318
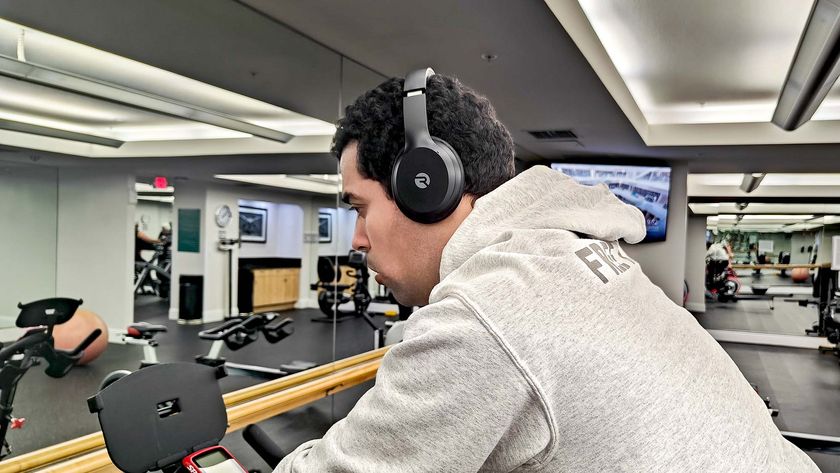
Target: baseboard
x,y
696,306
115,336
216,315
8,320
771,339
306,304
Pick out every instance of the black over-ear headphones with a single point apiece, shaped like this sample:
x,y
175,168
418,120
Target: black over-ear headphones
x,y
427,179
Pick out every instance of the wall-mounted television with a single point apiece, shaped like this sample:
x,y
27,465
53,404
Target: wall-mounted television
x,y
644,187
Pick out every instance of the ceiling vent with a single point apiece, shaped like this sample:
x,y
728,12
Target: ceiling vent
x,y
554,135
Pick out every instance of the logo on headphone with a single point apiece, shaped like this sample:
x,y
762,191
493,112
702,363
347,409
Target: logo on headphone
x,y
422,180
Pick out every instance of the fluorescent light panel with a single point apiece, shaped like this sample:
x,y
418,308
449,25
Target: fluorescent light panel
x,y
60,62
815,67
672,56
771,179
315,183
762,208
49,107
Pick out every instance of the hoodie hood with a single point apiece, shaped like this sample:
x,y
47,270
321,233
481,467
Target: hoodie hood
x,y
542,199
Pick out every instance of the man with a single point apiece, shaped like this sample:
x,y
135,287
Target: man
x,y
720,251
142,242
541,346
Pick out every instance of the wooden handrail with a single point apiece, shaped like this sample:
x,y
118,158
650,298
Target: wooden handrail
x,y
779,266
245,406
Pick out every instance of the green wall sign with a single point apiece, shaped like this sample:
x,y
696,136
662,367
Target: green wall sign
x,y
189,230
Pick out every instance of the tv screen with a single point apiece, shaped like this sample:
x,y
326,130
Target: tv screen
x,y
644,187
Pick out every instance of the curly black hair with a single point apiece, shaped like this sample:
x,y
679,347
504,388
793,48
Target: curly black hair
x,y
456,114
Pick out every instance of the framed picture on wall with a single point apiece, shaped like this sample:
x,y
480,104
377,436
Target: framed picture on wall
x,y
253,224
324,228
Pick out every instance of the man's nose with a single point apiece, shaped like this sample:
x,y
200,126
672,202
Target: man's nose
x,y
360,239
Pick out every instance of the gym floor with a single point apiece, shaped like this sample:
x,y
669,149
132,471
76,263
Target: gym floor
x,y
755,315
804,385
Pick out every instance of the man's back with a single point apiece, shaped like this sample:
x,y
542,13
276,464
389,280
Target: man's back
x,y
717,252
629,380
545,348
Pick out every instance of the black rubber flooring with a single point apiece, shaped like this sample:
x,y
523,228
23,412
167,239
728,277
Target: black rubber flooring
x,y
803,384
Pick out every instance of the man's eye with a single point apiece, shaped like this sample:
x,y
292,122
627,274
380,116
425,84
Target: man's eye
x,y
354,209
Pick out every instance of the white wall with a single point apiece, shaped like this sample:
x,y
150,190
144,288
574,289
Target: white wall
x,y
217,285
664,262
95,244
825,236
188,195
798,240
291,216
695,263
284,236
158,214
344,223
28,219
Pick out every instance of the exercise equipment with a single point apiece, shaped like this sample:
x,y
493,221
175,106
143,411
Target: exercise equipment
x,y
242,331
332,295
721,281
427,179
155,274
36,345
262,443
800,275
69,334
825,289
142,334
228,245
169,417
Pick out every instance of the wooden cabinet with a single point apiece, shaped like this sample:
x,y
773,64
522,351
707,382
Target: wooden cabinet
x,y
276,288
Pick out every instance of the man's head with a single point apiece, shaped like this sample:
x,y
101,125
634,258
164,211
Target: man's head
x,y
406,254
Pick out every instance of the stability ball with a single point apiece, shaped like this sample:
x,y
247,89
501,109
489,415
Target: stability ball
x,y
71,333
800,275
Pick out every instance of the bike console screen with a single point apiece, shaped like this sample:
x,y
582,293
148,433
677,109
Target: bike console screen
x,y
212,460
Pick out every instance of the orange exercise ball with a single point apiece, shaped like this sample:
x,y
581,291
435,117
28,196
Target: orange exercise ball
x,y
800,275
71,333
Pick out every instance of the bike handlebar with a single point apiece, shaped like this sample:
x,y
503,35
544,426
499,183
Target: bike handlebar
x,y
222,331
265,447
79,350
30,339
62,361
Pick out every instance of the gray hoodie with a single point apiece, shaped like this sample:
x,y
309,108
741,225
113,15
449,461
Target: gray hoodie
x,y
546,349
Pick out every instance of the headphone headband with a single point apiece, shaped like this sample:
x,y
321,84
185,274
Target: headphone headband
x,y
414,108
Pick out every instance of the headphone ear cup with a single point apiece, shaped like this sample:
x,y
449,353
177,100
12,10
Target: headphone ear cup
x,y
427,182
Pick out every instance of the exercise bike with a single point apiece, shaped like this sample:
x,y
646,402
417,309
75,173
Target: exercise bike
x,y
722,283
155,273
240,332
35,346
142,334
332,294
168,417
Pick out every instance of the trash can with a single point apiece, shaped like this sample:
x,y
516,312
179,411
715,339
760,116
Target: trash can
x,y
190,305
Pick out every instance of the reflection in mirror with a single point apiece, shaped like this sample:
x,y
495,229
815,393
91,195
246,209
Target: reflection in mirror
x,y
152,246
762,263
29,216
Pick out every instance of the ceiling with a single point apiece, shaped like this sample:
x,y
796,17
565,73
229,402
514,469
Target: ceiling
x,y
540,79
698,73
